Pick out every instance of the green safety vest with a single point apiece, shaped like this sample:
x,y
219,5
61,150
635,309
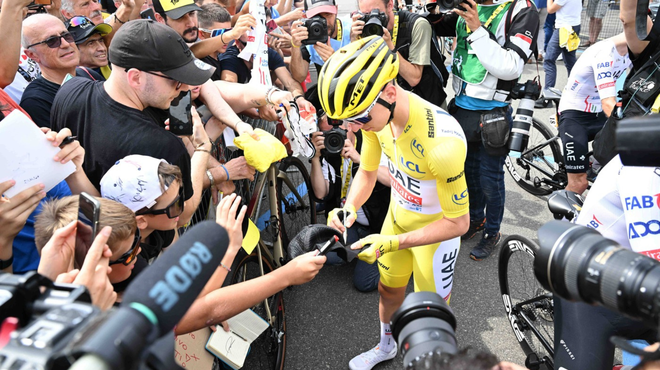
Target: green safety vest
x,y
465,64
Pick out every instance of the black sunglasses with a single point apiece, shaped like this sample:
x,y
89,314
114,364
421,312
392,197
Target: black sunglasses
x,y
127,258
173,210
178,83
55,41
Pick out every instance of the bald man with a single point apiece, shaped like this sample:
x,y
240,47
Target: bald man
x,y
47,42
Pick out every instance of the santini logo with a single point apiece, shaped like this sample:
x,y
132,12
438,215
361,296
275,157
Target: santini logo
x,y
179,277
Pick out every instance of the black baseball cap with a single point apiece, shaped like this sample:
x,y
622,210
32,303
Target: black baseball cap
x,y
82,28
151,46
175,9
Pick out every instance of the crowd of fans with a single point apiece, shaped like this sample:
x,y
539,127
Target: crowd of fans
x,y
100,84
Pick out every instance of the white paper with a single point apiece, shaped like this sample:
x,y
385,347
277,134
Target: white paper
x,y
229,135
27,157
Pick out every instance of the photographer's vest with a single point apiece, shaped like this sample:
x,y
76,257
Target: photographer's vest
x,y
466,64
434,76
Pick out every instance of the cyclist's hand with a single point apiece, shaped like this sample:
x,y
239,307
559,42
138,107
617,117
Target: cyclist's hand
x,y
336,219
379,245
226,217
303,268
239,169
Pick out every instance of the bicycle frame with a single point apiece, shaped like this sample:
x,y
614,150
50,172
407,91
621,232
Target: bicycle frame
x,y
523,158
519,311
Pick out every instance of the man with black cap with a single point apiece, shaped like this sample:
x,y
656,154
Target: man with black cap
x,y
47,42
152,65
89,39
180,15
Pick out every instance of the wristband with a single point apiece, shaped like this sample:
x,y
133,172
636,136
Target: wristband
x,y
294,45
222,38
270,92
236,124
227,172
225,267
298,96
118,20
203,150
210,176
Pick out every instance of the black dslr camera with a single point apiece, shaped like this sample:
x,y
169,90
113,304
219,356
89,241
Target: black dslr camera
x,y
373,23
317,29
334,139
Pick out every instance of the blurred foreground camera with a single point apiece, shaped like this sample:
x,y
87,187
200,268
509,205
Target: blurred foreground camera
x,y
317,29
637,141
522,121
373,23
579,264
334,139
424,324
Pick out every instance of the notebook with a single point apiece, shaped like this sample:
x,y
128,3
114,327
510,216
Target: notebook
x,y
233,347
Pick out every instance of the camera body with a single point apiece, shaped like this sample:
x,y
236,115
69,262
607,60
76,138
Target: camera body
x,y
317,29
333,141
374,22
522,121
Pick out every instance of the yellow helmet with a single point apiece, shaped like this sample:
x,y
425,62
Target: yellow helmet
x,y
353,76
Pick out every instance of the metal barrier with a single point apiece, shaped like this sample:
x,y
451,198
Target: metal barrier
x,y
612,25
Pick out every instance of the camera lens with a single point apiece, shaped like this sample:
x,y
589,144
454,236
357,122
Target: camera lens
x,y
423,324
334,143
372,27
521,125
447,5
579,264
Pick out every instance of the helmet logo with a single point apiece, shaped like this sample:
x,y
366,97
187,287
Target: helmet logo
x,y
357,92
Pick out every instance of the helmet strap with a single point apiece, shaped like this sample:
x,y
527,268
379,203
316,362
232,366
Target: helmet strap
x,y
389,106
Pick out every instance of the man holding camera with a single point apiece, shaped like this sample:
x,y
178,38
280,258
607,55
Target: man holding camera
x,y
426,151
410,36
311,45
494,40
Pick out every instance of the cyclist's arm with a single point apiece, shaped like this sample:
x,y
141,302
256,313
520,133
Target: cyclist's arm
x,y
605,79
608,105
446,162
507,62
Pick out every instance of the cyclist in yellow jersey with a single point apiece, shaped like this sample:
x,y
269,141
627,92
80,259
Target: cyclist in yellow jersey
x,y
426,149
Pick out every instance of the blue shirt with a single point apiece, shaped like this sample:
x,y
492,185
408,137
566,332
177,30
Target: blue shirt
x,y
343,39
26,256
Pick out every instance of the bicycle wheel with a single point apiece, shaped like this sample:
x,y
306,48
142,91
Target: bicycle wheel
x,y
297,209
539,169
528,305
267,352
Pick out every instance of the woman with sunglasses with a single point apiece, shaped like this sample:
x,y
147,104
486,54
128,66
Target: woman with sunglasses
x,y
426,152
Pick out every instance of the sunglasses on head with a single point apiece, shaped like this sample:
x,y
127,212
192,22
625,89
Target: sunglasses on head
x,y
364,117
79,21
173,210
55,41
127,258
216,32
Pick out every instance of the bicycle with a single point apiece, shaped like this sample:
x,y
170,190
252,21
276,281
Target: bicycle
x,y
540,168
280,204
528,305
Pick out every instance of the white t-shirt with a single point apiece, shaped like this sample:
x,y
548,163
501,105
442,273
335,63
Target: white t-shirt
x,y
569,13
624,205
594,78
28,71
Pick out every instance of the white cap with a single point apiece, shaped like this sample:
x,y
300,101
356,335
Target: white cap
x,y
133,181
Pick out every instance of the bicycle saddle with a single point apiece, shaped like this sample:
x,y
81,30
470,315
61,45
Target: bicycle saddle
x,y
551,94
315,237
565,204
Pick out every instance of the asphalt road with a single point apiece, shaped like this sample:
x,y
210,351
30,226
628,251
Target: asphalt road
x,y
329,321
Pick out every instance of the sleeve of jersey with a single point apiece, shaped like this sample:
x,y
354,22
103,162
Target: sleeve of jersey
x,y
447,162
638,189
370,156
605,79
507,62
420,50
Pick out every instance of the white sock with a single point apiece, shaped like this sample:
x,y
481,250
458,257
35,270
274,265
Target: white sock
x,y
386,341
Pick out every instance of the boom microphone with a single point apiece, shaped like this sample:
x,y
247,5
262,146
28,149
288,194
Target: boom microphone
x,y
157,300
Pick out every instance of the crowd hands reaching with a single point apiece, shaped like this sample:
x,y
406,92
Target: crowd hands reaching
x,y
101,95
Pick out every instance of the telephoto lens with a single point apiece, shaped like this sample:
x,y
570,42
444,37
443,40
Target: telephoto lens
x,y
423,324
522,121
579,264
